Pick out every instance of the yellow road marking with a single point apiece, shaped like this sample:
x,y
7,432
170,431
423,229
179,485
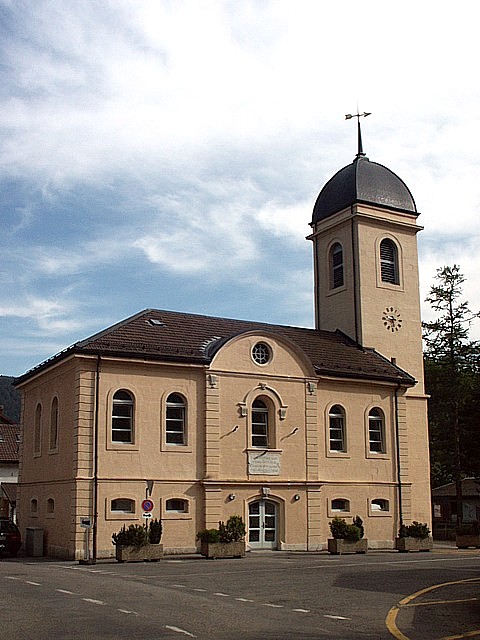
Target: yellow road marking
x,y
391,619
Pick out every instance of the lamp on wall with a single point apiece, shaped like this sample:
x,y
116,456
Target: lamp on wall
x,y
296,497
231,496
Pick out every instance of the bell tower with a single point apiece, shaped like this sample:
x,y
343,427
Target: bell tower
x,y
364,229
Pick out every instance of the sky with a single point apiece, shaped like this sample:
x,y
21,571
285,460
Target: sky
x,y
168,153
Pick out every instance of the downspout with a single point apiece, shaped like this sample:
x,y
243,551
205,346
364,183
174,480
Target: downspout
x,y
356,287
399,478
95,463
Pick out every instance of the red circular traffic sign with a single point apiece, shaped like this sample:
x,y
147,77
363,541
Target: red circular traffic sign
x,y
147,505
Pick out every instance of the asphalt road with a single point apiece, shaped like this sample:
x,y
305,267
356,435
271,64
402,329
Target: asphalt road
x,y
277,595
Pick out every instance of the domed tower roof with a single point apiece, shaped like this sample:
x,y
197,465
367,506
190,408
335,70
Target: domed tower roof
x,y
363,182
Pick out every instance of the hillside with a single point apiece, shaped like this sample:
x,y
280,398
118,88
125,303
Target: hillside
x,y
9,398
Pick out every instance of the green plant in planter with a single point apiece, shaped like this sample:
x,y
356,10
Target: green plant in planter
x,y
155,531
358,522
135,536
209,535
418,530
342,531
233,531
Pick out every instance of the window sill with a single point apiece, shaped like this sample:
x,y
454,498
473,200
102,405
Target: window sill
x,y
338,454
122,446
176,448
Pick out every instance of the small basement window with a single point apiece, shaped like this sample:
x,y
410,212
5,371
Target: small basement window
x,y
379,504
340,504
122,505
176,505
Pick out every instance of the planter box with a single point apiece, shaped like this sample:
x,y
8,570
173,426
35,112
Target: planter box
x,y
463,541
127,553
338,546
223,549
404,545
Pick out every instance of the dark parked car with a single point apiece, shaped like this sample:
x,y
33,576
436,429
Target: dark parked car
x,y
10,539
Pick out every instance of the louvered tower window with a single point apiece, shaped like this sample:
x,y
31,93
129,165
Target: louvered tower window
x,y
336,266
389,261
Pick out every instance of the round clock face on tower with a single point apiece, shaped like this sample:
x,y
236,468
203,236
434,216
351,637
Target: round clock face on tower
x,y
392,320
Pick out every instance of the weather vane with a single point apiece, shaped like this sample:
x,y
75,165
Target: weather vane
x,y
358,115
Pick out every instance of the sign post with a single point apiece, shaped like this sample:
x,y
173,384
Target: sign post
x,y
86,523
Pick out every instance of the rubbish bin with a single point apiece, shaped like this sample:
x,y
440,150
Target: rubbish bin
x,y
34,542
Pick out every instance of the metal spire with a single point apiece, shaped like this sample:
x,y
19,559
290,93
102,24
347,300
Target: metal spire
x,y
358,115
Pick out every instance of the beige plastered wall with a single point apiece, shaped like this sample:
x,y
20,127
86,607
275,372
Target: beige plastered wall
x,y
213,465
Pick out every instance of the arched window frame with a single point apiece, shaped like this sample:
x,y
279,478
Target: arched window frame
x,y
336,266
337,430
113,513
50,508
123,418
376,432
380,507
176,420
176,505
339,506
53,435
128,504
388,253
34,507
262,423
37,431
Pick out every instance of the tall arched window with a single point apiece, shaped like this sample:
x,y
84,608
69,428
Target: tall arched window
x,y
53,440
122,417
260,426
336,419
37,430
389,261
336,266
175,428
376,431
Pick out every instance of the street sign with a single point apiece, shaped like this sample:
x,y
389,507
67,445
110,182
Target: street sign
x,y
146,515
147,505
86,523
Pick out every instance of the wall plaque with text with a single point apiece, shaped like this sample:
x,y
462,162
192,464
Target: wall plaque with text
x,y
264,463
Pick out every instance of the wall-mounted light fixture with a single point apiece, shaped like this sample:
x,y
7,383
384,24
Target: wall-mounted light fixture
x,y
296,497
231,496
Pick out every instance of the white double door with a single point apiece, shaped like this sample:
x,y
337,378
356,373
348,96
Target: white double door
x,y
262,524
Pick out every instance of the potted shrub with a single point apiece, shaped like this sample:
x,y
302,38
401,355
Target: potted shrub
x,y
414,537
138,543
468,535
226,541
347,538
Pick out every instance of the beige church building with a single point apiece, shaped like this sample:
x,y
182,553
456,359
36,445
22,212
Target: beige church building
x,y
209,417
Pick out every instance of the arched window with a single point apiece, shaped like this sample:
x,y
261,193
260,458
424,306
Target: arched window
x,y
336,419
175,428
53,442
50,505
122,505
336,266
122,417
37,430
389,261
376,431
380,504
340,504
176,505
260,426
34,506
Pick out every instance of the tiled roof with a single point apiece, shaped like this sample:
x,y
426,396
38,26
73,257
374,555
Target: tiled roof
x,y
9,435
184,337
470,487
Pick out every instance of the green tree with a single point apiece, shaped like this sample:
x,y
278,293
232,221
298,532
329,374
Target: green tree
x,y
452,381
